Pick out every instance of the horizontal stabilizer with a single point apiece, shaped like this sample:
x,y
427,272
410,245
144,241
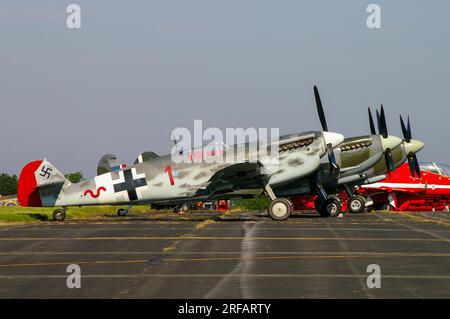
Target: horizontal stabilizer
x,y
146,156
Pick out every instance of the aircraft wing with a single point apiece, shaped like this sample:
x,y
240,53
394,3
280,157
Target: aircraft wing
x,y
236,177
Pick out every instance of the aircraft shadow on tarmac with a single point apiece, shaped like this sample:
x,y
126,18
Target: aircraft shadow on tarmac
x,y
217,216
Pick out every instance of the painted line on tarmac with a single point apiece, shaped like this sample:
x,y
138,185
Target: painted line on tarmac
x,y
422,218
196,259
206,275
369,254
97,262
304,257
222,238
229,228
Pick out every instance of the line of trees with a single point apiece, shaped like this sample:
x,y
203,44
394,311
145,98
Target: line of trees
x,y
8,184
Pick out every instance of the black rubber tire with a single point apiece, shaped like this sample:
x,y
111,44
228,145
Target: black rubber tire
x,y
122,212
356,204
59,215
277,211
387,207
331,207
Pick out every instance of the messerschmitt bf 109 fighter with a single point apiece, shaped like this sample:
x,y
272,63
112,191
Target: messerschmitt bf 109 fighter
x,y
161,179
353,158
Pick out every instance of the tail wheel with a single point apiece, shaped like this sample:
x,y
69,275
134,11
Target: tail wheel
x,y
330,207
356,204
59,215
279,209
122,212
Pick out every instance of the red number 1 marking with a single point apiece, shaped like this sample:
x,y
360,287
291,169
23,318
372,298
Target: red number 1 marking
x,y
168,170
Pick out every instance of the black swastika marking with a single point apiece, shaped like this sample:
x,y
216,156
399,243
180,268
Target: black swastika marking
x,y
46,172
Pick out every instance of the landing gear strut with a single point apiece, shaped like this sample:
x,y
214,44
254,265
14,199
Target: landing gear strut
x,y
279,208
59,214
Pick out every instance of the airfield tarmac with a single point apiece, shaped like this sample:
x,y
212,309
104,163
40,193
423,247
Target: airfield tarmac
x,y
216,255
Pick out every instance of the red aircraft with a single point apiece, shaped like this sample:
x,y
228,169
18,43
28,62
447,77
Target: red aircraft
x,y
400,191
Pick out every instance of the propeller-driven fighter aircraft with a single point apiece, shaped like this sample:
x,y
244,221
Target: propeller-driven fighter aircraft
x,y
351,161
346,186
160,179
318,163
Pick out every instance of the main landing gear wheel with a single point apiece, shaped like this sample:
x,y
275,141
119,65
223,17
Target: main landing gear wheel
x,y
279,209
184,208
59,215
122,212
356,204
330,207
387,207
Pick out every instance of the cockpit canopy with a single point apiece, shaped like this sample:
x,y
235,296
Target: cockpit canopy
x,y
436,168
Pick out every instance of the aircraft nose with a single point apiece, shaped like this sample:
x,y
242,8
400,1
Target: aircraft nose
x,y
333,138
414,146
390,142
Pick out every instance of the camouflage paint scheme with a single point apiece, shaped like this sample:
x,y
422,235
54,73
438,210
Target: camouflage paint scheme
x,y
160,179
399,155
355,156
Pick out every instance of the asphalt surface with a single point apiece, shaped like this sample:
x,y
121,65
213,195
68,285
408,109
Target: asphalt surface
x,y
229,256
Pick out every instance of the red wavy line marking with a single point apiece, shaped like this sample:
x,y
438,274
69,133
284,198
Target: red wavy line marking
x,y
90,192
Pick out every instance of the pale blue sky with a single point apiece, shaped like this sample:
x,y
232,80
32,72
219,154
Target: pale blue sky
x,y
138,69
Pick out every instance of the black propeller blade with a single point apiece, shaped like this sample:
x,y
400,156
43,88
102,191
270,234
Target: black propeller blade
x,y
416,165
389,161
384,131
413,163
378,122
405,131
323,122
372,125
320,111
409,129
331,158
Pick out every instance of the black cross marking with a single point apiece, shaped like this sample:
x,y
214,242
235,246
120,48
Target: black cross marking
x,y
130,184
45,172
